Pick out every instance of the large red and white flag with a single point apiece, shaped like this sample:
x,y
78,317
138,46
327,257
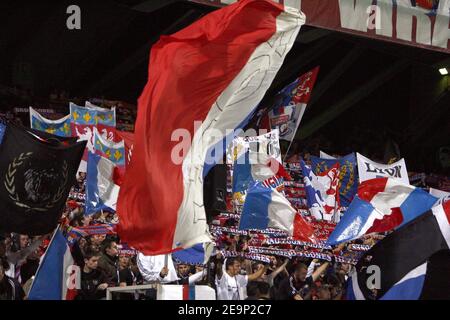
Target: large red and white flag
x,y
215,71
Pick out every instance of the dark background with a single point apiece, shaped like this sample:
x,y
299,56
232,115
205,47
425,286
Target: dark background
x,y
368,92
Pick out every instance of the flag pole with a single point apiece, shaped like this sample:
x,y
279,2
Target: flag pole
x,y
302,112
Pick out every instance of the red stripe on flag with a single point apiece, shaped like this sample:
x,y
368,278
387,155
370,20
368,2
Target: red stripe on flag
x,y
369,189
446,206
188,71
303,230
388,223
185,292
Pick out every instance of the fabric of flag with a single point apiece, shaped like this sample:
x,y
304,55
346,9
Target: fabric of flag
x,y
113,151
325,155
252,167
368,169
57,277
185,292
2,131
60,127
404,258
290,105
253,37
92,115
348,176
266,208
128,138
441,195
101,191
35,179
193,256
268,144
86,133
381,205
322,192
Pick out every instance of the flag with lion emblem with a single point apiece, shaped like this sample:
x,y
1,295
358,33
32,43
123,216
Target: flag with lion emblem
x,y
36,174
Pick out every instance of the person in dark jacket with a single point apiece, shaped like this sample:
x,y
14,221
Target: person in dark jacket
x,y
93,280
108,262
10,289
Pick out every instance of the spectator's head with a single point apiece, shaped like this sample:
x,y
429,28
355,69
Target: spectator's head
x,y
264,290
124,261
252,290
199,268
110,248
97,239
183,269
233,266
24,241
300,272
324,293
82,242
273,261
91,259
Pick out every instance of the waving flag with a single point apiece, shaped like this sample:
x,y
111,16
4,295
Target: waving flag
x,y
84,120
196,255
348,177
252,167
322,192
368,169
404,259
60,127
128,138
441,195
381,205
268,208
220,67
37,171
57,277
101,191
291,104
113,151
92,115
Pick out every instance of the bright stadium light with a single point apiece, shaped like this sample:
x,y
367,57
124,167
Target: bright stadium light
x,y
443,71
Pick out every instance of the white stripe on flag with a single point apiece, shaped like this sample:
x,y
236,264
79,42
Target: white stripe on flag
x,y
232,107
443,222
355,286
395,193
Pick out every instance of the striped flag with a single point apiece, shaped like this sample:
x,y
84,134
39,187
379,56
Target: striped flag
x,y
381,205
215,71
57,277
403,260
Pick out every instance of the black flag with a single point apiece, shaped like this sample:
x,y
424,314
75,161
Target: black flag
x,y
37,171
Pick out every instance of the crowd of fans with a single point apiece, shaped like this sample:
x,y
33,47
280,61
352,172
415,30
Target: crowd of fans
x,y
104,262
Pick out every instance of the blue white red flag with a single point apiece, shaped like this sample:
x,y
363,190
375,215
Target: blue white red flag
x,y
322,192
57,277
382,204
161,205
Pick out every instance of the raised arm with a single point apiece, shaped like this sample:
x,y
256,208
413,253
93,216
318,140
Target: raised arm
x,y
257,274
